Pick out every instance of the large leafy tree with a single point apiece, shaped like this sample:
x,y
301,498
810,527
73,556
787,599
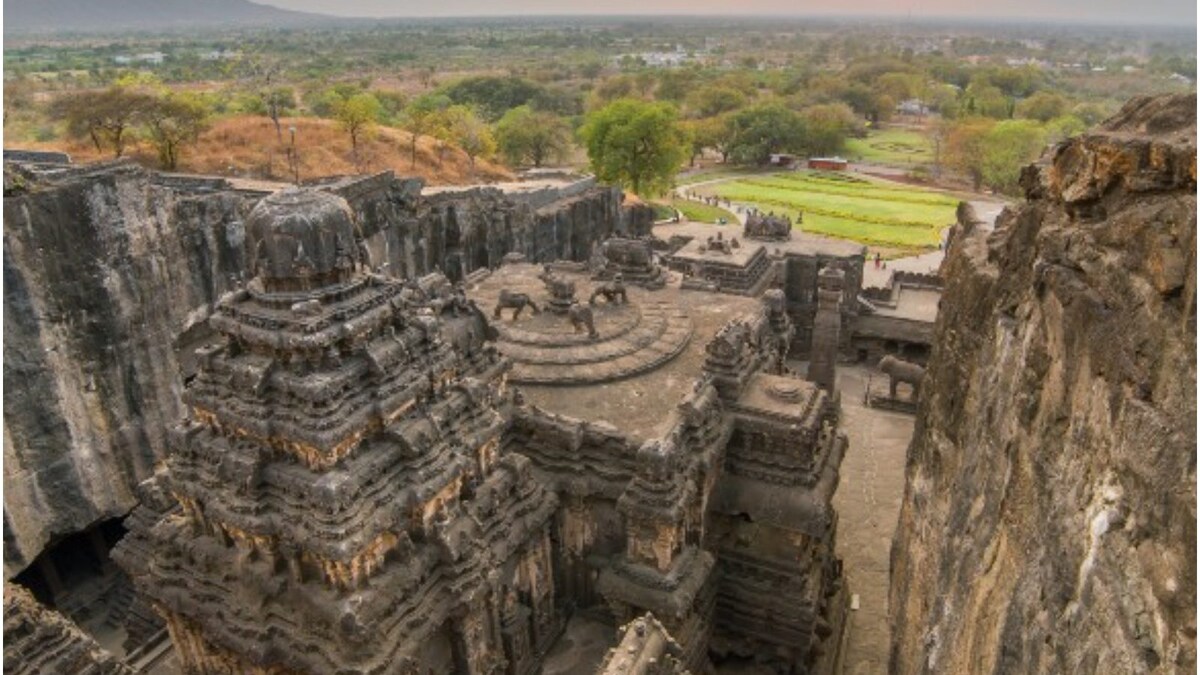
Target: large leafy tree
x,y
357,116
173,121
492,96
107,117
993,153
470,133
714,100
424,117
965,147
529,136
1008,147
1042,106
759,132
635,144
827,126
710,133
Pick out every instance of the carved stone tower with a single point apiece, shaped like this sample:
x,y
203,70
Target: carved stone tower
x,y
343,501
822,367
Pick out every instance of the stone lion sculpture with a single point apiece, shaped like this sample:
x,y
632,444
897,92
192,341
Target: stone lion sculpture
x,y
899,371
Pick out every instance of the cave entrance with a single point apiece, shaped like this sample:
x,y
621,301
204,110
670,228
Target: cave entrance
x,y
77,577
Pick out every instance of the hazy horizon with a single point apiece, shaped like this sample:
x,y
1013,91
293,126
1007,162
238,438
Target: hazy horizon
x,y
1148,12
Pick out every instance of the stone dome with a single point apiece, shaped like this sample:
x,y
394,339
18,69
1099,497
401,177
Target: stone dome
x,y
300,239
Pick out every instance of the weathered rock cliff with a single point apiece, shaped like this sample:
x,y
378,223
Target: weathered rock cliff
x,y
1049,521
109,269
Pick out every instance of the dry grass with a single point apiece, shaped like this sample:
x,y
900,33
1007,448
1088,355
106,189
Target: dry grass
x,y
247,147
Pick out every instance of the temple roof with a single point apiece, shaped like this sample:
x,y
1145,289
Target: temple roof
x,y
300,239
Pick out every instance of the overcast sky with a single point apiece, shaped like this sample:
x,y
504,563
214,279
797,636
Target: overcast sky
x,y
1171,12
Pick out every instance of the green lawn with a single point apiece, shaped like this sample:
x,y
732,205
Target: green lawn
x,y
662,211
896,147
710,174
848,206
701,212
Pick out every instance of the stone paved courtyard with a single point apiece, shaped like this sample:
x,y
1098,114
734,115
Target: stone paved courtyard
x,y
868,503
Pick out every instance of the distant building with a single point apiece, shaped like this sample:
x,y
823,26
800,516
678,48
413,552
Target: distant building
x,y
220,55
153,58
913,106
827,163
782,159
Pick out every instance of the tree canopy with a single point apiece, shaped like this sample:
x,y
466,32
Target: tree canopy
x,y
759,132
106,117
173,121
470,133
492,96
635,144
525,135
357,115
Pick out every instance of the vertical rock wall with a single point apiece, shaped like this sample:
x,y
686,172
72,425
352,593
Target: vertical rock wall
x,y
1049,521
109,271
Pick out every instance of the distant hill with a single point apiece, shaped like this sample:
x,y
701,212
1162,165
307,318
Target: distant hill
x,y
91,16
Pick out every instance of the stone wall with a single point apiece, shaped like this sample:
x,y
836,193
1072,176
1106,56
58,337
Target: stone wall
x,y
109,270
1049,519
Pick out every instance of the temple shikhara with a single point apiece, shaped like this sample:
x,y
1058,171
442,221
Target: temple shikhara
x,y
367,482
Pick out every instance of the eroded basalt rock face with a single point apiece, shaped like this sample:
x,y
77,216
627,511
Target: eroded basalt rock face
x,y
110,271
1049,520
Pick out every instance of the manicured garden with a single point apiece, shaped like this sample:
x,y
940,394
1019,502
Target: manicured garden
x,y
894,147
701,212
848,206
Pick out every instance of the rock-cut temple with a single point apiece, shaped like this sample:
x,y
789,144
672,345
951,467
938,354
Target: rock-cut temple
x,y
358,487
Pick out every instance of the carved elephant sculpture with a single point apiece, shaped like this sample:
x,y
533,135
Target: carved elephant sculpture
x,y
581,316
612,292
514,301
899,371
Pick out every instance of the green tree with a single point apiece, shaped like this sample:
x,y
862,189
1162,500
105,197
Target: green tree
x,y
1042,106
988,101
675,85
1061,128
965,147
491,95
714,100
866,101
827,126
759,132
1090,113
423,117
1007,148
635,144
106,117
525,135
470,133
898,86
173,121
357,116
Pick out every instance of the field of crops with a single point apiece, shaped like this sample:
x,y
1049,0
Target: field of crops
x,y
894,147
848,207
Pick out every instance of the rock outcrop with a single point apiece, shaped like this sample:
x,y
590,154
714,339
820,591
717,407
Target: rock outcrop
x,y
110,271
1049,520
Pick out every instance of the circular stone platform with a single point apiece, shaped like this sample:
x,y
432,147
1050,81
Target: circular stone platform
x,y
633,338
